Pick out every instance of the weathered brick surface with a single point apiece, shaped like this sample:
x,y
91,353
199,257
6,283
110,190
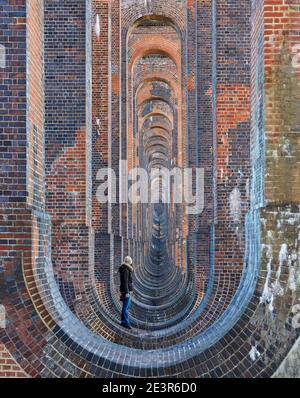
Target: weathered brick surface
x,y
13,103
210,84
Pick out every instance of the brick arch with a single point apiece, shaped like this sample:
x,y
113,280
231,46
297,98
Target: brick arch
x,y
155,17
153,149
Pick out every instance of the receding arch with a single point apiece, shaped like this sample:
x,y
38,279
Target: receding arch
x,y
148,18
155,115
165,47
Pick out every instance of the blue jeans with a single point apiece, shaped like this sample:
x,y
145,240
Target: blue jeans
x,y
125,309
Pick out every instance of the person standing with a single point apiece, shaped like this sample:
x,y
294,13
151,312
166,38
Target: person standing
x,y
126,271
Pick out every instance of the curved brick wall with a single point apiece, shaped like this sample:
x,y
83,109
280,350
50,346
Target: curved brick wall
x,y
211,84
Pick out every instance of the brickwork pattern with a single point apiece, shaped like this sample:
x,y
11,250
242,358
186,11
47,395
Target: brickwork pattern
x,y
197,83
8,366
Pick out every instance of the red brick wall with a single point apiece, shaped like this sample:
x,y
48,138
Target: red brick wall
x,y
282,71
35,98
66,142
22,175
39,335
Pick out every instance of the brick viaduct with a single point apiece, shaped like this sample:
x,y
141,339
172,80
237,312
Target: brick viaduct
x,y
211,84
